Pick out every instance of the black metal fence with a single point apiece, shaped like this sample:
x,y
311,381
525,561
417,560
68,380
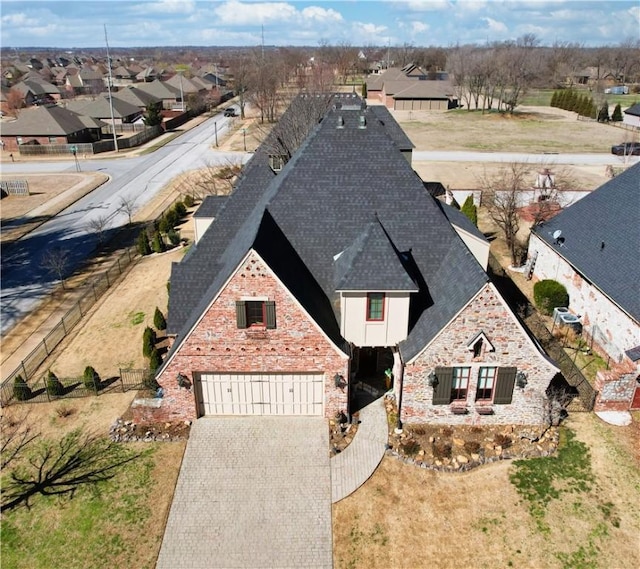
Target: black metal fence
x,y
43,391
29,365
536,326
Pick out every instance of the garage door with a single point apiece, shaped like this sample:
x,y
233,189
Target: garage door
x,y
260,393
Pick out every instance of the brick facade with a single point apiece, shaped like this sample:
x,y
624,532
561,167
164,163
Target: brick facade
x,y
486,313
616,387
216,344
608,328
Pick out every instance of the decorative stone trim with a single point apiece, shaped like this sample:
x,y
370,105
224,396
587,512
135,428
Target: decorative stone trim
x,y
454,466
127,431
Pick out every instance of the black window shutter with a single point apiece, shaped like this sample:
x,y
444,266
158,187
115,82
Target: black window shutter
x,y
241,314
442,394
504,385
270,309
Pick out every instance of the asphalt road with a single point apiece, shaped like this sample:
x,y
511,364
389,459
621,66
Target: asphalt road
x,y
509,157
24,279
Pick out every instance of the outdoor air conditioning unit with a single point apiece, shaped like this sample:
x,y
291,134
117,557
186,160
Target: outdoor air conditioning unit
x,y
562,317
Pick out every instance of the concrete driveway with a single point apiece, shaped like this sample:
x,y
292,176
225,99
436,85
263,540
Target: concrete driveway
x,y
253,492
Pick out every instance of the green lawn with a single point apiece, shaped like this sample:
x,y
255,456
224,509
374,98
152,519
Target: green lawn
x,y
542,97
103,526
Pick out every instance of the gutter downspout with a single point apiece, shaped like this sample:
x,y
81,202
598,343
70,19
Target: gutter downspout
x,y
400,386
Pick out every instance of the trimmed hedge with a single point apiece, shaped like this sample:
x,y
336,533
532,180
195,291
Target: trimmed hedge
x,y
470,210
54,386
549,294
91,379
21,391
159,320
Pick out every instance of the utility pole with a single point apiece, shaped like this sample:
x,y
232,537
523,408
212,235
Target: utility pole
x,y
181,93
113,120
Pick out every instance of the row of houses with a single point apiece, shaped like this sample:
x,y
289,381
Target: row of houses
x,y
55,121
173,89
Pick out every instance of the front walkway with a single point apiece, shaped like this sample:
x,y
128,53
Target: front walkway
x,y
253,492
351,468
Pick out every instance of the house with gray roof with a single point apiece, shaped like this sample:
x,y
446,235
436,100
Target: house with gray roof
x,y
412,89
330,269
136,97
37,92
168,94
50,124
592,249
99,108
632,116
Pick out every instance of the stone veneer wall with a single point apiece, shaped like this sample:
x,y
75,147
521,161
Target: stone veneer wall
x,y
217,345
617,331
487,312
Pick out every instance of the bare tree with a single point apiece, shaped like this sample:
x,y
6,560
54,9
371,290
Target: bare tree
x,y
56,261
60,467
501,195
127,205
214,180
98,225
240,67
293,128
15,102
266,79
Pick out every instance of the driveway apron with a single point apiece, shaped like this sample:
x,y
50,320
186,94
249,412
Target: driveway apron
x,y
253,492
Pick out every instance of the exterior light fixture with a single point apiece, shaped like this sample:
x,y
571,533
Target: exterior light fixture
x,y
183,381
339,381
521,379
432,378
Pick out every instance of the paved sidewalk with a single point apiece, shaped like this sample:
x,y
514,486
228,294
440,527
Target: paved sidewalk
x,y
253,492
354,465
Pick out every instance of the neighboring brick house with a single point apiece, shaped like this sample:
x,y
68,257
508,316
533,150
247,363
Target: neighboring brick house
x,y
50,124
326,270
592,248
412,89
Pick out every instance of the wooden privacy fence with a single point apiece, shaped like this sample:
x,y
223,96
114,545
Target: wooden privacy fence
x,y
55,149
75,387
29,365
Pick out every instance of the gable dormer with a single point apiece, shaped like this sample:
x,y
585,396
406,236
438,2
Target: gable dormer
x,y
374,289
277,162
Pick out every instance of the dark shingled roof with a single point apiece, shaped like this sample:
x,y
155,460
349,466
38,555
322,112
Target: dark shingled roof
x,y
459,219
49,120
633,110
372,263
320,204
633,354
602,238
210,206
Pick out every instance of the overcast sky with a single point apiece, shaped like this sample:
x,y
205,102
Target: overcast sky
x,y
79,23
